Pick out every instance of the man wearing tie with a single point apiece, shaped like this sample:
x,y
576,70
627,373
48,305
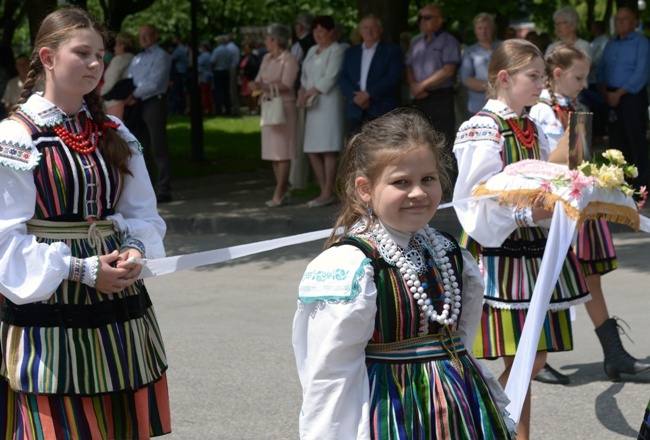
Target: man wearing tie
x,y
370,76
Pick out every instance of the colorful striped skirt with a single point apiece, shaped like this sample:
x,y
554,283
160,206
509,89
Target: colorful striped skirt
x,y
510,273
126,415
82,364
595,249
644,432
430,388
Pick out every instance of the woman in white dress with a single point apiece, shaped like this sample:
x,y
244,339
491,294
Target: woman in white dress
x,y
320,93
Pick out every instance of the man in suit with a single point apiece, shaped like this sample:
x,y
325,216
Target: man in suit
x,y
370,76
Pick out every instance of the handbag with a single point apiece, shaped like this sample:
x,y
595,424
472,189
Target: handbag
x,y
272,108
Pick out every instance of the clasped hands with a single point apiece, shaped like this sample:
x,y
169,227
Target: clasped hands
x,y
115,273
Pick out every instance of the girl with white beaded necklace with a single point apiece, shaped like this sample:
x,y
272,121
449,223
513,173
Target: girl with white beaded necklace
x,y
386,311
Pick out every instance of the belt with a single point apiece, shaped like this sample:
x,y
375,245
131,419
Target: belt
x,y
159,97
444,345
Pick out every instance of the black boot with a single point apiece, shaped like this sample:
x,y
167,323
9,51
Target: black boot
x,y
617,360
550,375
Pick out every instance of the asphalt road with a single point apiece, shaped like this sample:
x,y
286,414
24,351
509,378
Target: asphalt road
x,y
227,331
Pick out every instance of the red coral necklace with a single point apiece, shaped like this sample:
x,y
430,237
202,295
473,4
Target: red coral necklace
x,y
563,114
525,136
84,142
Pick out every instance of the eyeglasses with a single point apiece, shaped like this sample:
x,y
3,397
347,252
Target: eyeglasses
x,y
425,17
560,23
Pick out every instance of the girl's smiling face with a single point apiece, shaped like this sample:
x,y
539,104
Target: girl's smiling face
x,y
407,193
570,82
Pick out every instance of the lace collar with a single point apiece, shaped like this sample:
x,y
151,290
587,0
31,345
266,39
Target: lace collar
x,y
502,110
45,114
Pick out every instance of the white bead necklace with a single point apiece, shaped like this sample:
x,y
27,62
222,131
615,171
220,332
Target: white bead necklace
x,y
411,263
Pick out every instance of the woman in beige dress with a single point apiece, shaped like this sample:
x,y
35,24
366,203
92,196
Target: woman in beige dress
x,y
117,70
279,67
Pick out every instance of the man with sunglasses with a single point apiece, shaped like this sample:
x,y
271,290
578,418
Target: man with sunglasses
x,y
431,66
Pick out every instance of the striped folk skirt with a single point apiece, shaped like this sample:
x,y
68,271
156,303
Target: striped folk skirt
x,y
644,432
595,249
510,273
82,364
430,388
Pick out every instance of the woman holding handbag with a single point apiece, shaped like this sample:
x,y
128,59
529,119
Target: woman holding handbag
x,y
278,73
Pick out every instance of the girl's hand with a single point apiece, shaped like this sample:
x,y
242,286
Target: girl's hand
x,y
133,268
111,278
538,211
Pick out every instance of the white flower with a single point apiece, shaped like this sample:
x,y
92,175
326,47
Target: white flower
x,y
614,156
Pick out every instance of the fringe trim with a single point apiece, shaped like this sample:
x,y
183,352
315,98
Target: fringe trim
x,y
523,198
553,307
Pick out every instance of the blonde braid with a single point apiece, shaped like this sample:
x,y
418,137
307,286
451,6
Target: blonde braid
x,y
34,74
549,84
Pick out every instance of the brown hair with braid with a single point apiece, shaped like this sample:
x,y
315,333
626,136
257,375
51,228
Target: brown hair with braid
x,y
56,29
563,56
378,143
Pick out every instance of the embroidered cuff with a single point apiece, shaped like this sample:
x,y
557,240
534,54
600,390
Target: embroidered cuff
x,y
524,217
133,243
76,270
91,266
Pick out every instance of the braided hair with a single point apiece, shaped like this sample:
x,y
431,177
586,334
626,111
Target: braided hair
x,y
56,29
563,56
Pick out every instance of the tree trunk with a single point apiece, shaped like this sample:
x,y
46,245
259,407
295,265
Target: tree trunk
x,y
14,12
117,10
37,10
394,15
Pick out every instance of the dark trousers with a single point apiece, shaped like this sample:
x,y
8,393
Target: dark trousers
x,y
627,132
177,92
439,107
153,136
594,99
222,103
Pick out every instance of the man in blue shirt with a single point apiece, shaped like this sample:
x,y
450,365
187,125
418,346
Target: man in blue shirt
x,y
476,58
221,60
150,73
370,75
623,74
179,75
431,66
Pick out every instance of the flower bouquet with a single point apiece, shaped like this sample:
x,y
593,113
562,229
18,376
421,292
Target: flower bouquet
x,y
592,190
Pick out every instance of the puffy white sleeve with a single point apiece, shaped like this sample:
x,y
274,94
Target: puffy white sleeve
x,y
477,148
473,289
136,214
548,122
29,271
332,326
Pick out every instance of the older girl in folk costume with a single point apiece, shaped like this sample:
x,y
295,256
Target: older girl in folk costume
x,y
82,354
567,69
507,241
386,311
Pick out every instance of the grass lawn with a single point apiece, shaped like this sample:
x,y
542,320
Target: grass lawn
x,y
230,145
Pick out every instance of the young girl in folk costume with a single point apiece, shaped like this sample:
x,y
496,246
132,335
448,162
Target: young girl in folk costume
x,y
507,241
567,68
82,354
386,312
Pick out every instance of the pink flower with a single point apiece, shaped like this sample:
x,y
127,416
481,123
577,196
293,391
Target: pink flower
x,y
546,187
644,195
576,192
